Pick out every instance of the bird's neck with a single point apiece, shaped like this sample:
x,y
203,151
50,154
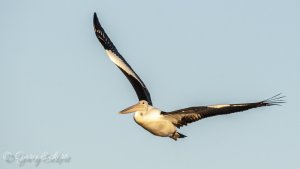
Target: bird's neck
x,y
151,113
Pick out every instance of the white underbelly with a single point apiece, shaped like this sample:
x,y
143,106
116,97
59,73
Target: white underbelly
x,y
158,127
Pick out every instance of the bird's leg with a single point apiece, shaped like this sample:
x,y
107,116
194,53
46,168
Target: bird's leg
x,y
175,136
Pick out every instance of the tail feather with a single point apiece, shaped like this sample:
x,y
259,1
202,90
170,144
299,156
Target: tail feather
x,y
177,135
181,135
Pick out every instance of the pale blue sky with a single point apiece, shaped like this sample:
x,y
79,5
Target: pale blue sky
x,y
60,92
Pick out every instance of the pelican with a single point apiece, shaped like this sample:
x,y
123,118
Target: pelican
x,y
162,123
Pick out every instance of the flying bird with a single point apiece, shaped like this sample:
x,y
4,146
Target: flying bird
x,y
162,123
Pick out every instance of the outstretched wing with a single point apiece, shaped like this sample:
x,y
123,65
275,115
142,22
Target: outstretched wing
x,y
188,115
112,52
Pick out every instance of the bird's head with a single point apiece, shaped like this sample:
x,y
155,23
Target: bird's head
x,y
141,106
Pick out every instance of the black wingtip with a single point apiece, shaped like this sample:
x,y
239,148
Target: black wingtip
x,y
101,35
276,100
96,22
95,18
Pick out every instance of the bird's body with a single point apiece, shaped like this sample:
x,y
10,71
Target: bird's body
x,y
154,120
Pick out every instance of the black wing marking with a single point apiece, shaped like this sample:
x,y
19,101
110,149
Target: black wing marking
x,y
138,85
188,115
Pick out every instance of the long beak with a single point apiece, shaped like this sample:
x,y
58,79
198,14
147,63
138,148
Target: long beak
x,y
134,108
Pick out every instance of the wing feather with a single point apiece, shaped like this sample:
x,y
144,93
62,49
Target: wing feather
x,y
112,52
188,115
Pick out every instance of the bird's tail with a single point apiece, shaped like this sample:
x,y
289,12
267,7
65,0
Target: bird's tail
x,y
177,135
